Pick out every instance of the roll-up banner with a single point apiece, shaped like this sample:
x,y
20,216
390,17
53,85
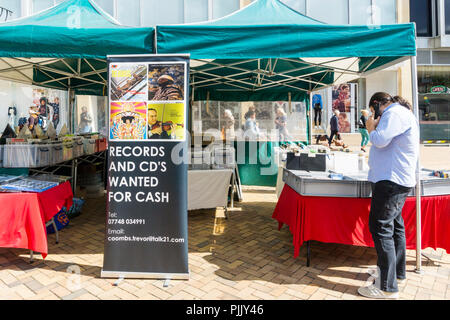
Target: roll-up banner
x,y
146,223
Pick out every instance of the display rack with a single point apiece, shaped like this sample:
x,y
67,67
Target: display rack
x,y
96,158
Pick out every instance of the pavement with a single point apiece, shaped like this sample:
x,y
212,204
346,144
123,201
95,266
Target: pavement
x,y
243,257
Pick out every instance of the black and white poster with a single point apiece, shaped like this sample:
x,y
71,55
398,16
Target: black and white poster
x,y
146,223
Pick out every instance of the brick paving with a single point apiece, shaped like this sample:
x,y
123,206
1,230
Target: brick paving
x,y
243,257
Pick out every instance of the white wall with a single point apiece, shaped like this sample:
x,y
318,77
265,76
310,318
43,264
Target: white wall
x,y
385,81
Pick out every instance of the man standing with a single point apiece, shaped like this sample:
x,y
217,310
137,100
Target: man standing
x,y
334,127
393,162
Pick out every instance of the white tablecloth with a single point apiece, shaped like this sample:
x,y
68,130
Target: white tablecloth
x,y
208,188
280,182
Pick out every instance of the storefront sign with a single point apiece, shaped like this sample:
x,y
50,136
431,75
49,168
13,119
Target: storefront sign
x,y
146,227
439,89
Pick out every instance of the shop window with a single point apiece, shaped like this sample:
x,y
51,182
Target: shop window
x,y
329,11
447,16
421,14
128,12
298,5
222,8
39,5
13,7
360,12
106,5
387,11
195,11
434,102
441,57
157,12
423,57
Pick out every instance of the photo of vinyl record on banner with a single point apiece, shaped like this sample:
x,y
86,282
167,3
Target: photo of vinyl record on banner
x,y
146,220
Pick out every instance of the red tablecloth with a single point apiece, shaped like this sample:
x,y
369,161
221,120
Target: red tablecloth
x,y
23,216
346,220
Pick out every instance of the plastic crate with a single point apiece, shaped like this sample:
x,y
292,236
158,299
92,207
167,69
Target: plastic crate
x,y
430,186
26,155
100,145
44,156
78,148
319,184
67,151
57,153
89,146
435,187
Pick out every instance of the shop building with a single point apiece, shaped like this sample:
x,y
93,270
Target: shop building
x,y
432,18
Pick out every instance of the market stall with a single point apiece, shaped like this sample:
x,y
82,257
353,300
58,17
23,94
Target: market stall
x,y
24,215
317,207
268,52
72,60
267,29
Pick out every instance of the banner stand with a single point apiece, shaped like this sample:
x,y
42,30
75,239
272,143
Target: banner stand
x,y
143,275
146,234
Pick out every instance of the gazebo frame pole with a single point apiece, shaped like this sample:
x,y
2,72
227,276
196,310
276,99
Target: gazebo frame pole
x,y
415,98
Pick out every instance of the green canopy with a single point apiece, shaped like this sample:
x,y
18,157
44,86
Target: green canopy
x,y
72,29
268,51
270,29
65,47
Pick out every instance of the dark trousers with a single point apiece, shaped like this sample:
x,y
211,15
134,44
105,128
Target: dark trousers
x,y
388,232
333,133
317,114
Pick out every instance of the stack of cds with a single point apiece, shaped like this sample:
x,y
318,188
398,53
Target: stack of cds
x,y
28,185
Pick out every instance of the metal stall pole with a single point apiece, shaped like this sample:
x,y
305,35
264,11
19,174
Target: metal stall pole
x,y
415,97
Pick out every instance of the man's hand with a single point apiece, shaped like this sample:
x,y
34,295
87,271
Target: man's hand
x,y
372,124
157,130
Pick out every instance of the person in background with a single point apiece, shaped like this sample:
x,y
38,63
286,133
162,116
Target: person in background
x,y
251,128
44,110
55,117
317,104
228,125
334,127
393,162
363,130
280,124
85,121
33,120
250,109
